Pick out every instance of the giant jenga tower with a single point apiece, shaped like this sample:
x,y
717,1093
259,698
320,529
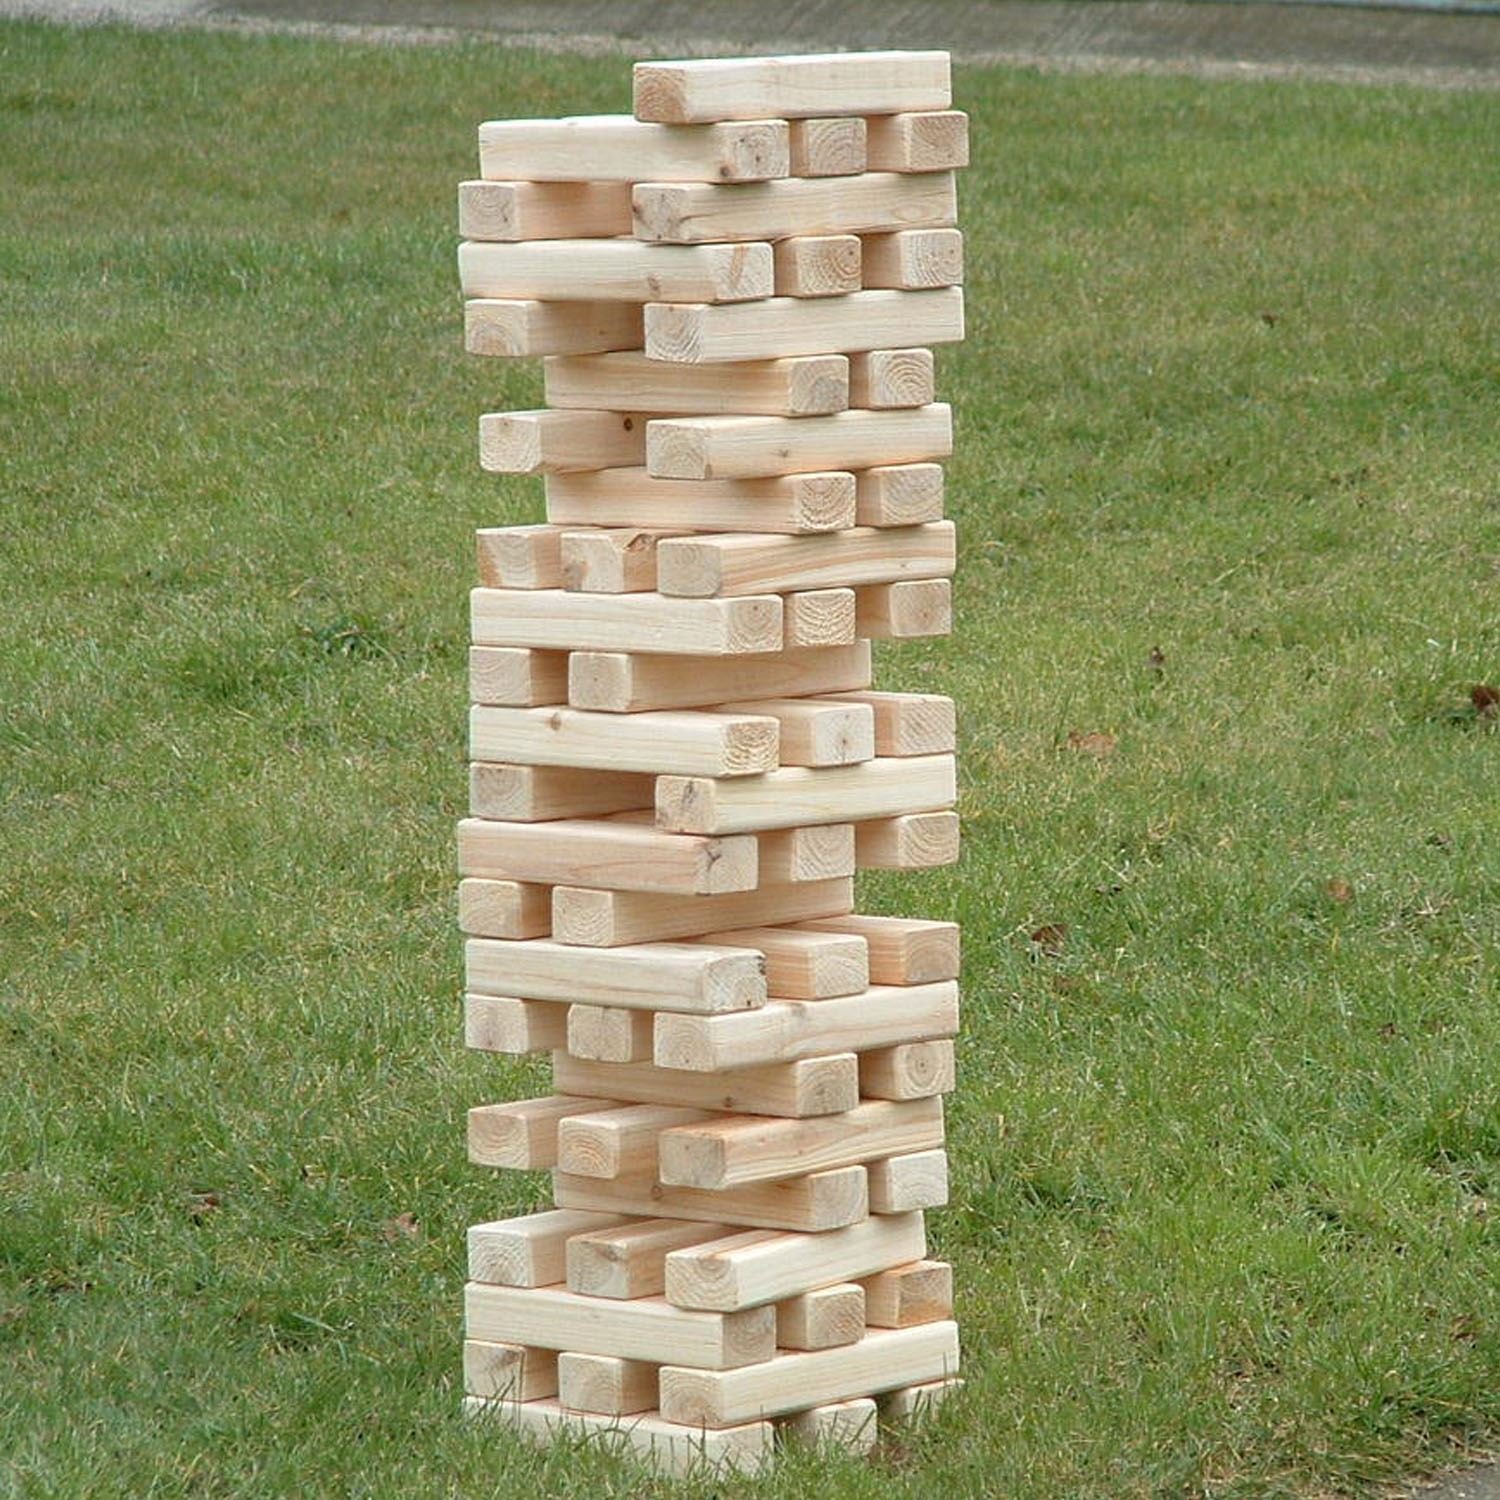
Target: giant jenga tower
x,y
679,762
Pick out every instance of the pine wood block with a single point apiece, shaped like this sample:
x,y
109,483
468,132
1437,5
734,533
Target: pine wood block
x,y
905,610
823,1085
908,723
913,1402
619,148
883,1360
611,560
820,851
594,271
652,976
785,503
542,210
912,1070
559,620
899,495
912,260
522,1133
606,1384
778,327
892,378
908,1295
799,795
785,1030
826,1318
510,328
530,1250
609,1033
532,794
504,908
629,1260
514,677
608,919
814,1203
852,1426
753,88
914,841
553,442
902,950
753,447
498,1023
817,265
814,731
827,146
808,385
815,618
620,682
901,1184
619,1141
748,1269
509,1372
928,140
803,965
519,557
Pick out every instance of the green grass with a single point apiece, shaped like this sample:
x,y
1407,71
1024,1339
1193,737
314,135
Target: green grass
x,y
1227,1148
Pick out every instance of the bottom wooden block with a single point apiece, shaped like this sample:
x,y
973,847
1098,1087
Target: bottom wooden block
x,y
914,1401
850,1425
509,1372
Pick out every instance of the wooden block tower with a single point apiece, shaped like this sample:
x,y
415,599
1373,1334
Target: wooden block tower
x,y
679,762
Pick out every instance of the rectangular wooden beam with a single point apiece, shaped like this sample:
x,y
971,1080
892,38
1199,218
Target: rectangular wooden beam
x,y
500,1023
919,141
814,618
542,210
902,1184
807,385
617,271
840,1426
555,442
522,1133
504,908
913,841
827,146
606,1384
519,557
892,378
910,260
611,560
611,1033
530,1250
816,731
618,1141
903,950
817,265
908,1295
826,1318
515,677
908,723
804,965
905,610
532,794
911,1070
508,1372
820,851
510,328
899,495
629,1260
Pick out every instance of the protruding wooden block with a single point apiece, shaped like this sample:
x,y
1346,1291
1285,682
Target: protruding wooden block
x,y
606,1384
611,560
619,1141
514,677
901,1184
519,557
850,1426
920,141
830,146
912,260
509,1372
530,1250
903,950
908,723
808,385
522,1133
914,841
803,965
899,495
826,1318
510,328
554,442
532,794
907,1295
542,210
504,908
617,271
912,1070
914,1402
905,610
892,378
818,618
816,731
820,851
817,265
498,1023
629,1260
610,1033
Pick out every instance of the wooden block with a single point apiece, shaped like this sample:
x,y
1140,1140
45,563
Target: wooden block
x,y
511,328
830,146
901,1184
519,557
892,378
826,1318
814,1203
903,950
509,1372
933,140
809,385
618,271
542,210
654,976
883,1360
798,795
751,447
914,841
851,1426
608,919
816,731
619,1141
746,1270
912,260
504,908
908,723
914,1402
522,1133
530,1250
818,618
754,88
533,794
604,1383
816,265
610,1033
614,854
629,1260
556,619
802,965
912,1070
784,1030
618,682
899,495
497,1023
514,677
813,1086
554,442
907,1295
611,560
905,610
786,503
648,1328
619,148
821,851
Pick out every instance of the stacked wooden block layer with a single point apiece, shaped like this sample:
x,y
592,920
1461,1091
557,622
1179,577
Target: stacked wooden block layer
x,y
679,762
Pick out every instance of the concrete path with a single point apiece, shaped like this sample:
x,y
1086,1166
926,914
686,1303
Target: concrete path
x,y
1472,1484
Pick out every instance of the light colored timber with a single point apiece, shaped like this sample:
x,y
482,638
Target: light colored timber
x,y
816,731
825,1318
611,560
817,265
905,610
814,1203
499,1023
903,950
611,853
619,1141
908,723
822,1085
883,1360
619,148
532,794
542,210
913,260
595,271
929,140
779,327
608,919
883,787
850,1426
530,1250
552,1318
803,965
746,1270
912,1070
907,1295
901,1184
892,378
519,557
788,503
522,1133
509,328
514,677
554,442
559,620
754,88
609,1033
509,1372
605,1383
914,841
629,1260
913,1402
899,495
618,682
504,908
821,851
784,1030
809,385
831,146
817,618
655,976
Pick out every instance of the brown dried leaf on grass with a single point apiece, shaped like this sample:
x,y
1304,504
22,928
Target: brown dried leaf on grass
x,y
402,1227
1339,889
1095,743
201,1205
1486,700
1050,939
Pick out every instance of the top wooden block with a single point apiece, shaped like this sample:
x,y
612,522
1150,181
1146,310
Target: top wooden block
x,y
754,88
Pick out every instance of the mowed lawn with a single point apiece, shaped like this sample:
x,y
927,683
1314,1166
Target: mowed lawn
x,y
1226,1209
